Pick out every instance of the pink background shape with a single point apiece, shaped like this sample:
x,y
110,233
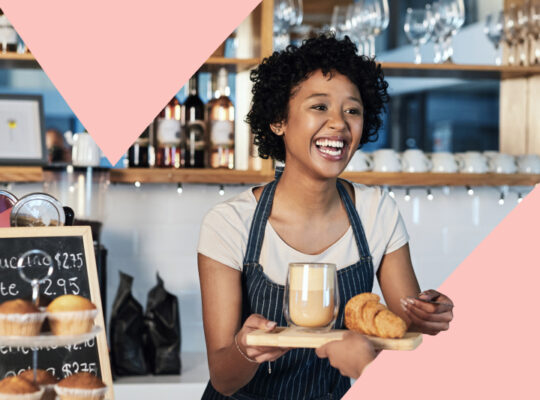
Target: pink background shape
x,y
492,349
4,218
117,63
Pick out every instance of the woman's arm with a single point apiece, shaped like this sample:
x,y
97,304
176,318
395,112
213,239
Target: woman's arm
x,y
221,292
397,280
400,290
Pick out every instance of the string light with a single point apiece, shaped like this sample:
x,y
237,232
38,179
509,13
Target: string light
x,y
179,189
221,190
501,199
429,194
407,195
470,191
137,184
391,193
520,198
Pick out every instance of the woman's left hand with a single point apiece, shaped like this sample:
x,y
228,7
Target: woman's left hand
x,y
430,313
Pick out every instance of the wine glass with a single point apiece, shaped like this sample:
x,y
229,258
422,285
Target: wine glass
x,y
452,15
510,31
534,30
494,32
340,24
418,27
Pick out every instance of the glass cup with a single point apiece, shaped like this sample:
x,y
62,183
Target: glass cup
x,y
311,299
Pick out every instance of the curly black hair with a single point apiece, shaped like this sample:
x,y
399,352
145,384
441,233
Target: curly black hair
x,y
279,75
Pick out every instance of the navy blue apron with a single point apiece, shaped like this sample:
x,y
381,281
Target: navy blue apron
x,y
299,374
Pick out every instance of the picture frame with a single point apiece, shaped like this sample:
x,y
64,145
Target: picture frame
x,y
22,130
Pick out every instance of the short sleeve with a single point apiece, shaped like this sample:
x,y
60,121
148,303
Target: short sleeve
x,y
393,221
222,237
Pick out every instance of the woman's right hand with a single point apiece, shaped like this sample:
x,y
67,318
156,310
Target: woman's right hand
x,y
258,354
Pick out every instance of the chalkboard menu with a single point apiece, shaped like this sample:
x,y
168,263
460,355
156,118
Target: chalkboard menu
x,y
72,253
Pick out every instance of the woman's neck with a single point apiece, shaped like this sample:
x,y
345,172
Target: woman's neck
x,y
304,195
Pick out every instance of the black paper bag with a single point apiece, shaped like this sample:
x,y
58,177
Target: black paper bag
x,y
127,331
163,331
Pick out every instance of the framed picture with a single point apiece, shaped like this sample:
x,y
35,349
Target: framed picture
x,y
22,131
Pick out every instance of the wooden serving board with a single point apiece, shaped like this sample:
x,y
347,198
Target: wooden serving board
x,y
302,338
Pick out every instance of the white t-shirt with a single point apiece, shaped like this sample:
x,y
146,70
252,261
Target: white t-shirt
x,y
225,231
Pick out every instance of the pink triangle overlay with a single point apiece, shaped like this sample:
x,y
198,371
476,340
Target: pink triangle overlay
x,y
117,63
492,349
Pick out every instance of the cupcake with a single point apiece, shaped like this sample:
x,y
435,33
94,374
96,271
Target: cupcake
x,y
81,386
17,388
44,380
20,318
71,315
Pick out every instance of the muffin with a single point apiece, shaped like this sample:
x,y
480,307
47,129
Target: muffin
x,y
20,318
71,315
17,388
44,380
81,386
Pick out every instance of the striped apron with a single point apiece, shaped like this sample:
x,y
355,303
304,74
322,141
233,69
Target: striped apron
x,y
299,374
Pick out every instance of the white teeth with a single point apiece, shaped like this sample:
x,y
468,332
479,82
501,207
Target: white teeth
x,y
330,143
331,152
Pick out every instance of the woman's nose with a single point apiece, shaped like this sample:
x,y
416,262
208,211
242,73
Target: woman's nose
x,y
336,121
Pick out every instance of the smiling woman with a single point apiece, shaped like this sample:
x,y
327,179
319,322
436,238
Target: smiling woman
x,y
313,106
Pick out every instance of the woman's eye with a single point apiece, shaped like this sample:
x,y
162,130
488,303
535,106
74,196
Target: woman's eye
x,y
320,107
354,111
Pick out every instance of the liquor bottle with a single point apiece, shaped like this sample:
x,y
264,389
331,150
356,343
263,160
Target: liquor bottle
x,y
221,117
168,130
195,130
8,35
138,153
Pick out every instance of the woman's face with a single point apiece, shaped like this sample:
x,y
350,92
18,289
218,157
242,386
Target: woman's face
x,y
324,126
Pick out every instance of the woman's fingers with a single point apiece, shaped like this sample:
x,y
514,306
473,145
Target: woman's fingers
x,y
257,321
429,312
429,326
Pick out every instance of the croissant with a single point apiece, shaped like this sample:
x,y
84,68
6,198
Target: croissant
x,y
365,314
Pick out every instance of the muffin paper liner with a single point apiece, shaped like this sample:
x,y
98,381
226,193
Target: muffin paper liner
x,y
26,396
72,315
87,394
21,324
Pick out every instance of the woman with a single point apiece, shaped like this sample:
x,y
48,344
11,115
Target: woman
x,y
313,106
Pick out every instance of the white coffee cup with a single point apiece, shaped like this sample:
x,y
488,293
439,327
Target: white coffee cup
x,y
529,164
360,162
85,152
444,162
386,160
502,164
414,160
472,162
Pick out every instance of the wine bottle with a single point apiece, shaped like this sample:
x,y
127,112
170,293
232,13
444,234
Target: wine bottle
x,y
195,132
168,130
138,154
221,117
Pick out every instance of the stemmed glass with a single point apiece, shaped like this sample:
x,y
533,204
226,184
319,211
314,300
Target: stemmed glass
x,y
510,30
418,27
494,32
287,13
451,15
341,22
534,30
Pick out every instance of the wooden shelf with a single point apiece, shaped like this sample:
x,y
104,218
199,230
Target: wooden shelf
x,y
156,175
187,175
224,176
21,174
462,71
18,60
232,64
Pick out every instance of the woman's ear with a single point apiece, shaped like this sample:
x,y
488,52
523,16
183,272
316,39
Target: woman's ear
x,y
277,128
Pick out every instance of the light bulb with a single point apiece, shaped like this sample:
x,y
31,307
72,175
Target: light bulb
x,y
520,198
429,195
407,195
501,199
221,190
470,191
391,193
71,188
179,189
137,184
